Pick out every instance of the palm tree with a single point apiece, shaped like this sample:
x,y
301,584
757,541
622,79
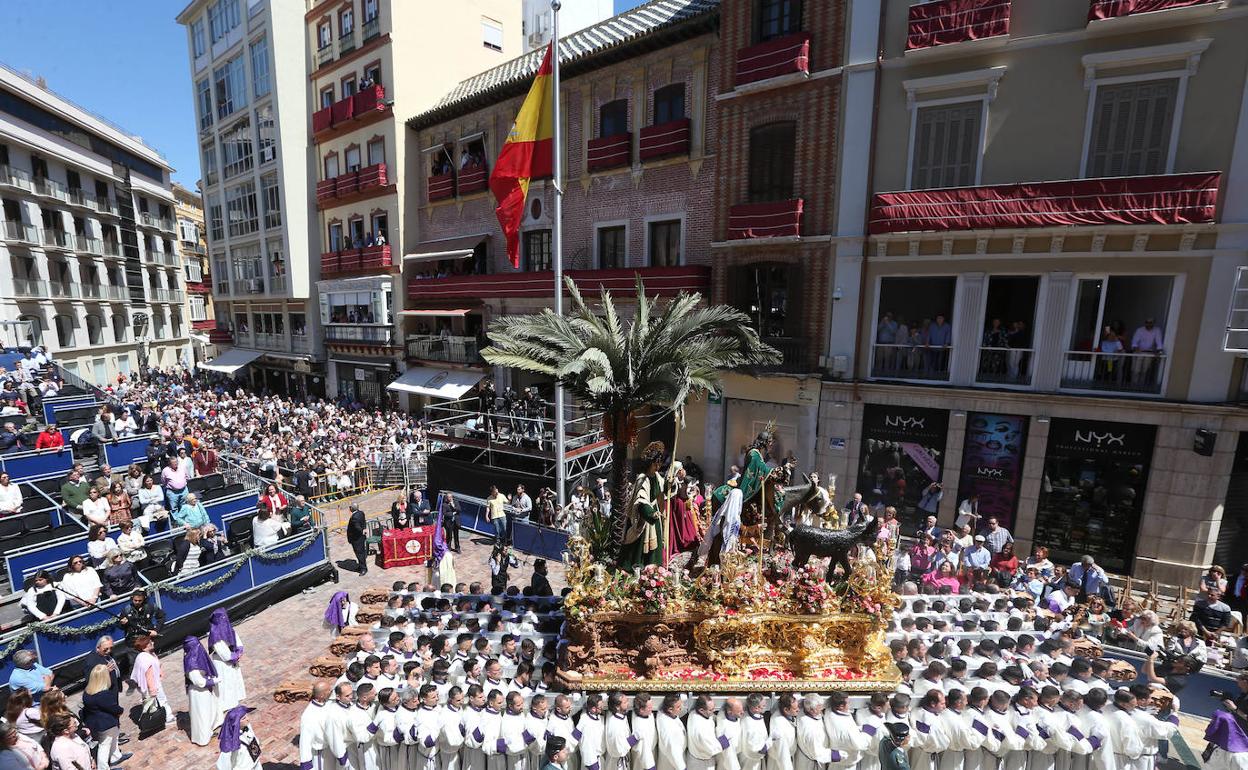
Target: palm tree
x,y
665,354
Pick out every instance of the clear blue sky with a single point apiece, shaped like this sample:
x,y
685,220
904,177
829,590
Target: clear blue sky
x,y
132,69
136,73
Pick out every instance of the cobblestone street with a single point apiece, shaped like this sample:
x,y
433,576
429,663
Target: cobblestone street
x,y
281,642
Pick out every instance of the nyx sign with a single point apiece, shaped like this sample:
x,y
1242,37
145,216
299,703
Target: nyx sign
x,y
990,473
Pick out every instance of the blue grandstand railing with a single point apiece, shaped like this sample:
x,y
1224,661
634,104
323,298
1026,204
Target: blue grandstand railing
x,y
62,641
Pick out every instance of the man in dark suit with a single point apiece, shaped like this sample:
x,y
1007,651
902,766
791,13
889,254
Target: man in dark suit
x,y
357,536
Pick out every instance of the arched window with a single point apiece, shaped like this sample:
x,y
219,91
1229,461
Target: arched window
x,y
613,118
120,327
65,327
32,332
95,330
669,103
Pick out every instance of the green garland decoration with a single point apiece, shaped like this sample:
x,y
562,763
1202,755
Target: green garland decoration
x,y
93,629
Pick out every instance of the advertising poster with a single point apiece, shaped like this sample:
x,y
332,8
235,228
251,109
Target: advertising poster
x,y
992,464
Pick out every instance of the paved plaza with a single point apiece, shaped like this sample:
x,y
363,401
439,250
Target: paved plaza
x,y
281,642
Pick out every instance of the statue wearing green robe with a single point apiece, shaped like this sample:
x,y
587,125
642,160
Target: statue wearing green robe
x,y
643,539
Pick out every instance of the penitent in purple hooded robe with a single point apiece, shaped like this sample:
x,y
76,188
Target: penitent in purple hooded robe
x,y
335,615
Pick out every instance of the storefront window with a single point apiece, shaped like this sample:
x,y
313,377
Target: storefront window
x,y
1092,493
902,454
992,464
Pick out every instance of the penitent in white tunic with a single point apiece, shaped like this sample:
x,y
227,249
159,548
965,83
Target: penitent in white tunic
x,y
205,713
240,758
230,688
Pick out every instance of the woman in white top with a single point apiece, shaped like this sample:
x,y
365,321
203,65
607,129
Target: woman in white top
x,y
125,425
95,508
80,584
42,600
131,542
151,502
99,544
267,529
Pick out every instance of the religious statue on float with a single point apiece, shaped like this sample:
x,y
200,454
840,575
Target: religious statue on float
x,y
760,486
646,529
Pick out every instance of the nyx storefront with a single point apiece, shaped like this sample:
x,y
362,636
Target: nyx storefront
x,y
1092,491
902,453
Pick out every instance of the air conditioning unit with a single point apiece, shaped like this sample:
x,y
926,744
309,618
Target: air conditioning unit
x,y
255,286
267,154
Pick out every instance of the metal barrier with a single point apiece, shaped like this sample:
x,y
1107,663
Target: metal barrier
x,y
526,536
37,463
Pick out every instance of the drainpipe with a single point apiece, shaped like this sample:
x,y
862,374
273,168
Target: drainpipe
x,y
866,224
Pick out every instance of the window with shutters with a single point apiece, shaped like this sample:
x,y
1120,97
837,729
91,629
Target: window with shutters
x,y
537,250
669,103
771,162
612,248
665,243
1131,128
613,118
776,18
946,146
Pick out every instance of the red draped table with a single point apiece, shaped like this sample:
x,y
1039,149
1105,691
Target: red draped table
x,y
406,547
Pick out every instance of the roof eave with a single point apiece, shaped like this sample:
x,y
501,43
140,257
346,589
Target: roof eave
x,y
685,29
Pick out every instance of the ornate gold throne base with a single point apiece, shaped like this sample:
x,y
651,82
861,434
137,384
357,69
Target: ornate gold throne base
x,y
749,651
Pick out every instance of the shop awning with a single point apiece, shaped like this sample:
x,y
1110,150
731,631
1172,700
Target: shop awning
x,y
232,360
459,312
446,248
437,383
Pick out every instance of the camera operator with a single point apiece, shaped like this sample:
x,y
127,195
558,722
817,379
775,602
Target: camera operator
x,y
1174,675
1235,703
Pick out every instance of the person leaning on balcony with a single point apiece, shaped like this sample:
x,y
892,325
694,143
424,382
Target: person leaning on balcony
x,y
886,337
1146,339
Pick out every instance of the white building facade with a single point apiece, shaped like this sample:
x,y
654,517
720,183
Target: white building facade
x,y
93,270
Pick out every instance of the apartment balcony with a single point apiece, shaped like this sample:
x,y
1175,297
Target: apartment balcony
x,y
243,286
474,177
346,44
56,239
1141,373
910,362
51,189
1099,10
365,183
945,22
269,341
115,293
163,258
148,219
29,287
382,336
795,355
65,290
81,199
87,245
788,55
366,259
664,139
1004,366
216,335
664,281
449,349
111,249
106,206
441,187
14,177
22,233
277,284
1167,199
198,287
779,219
166,295
371,28
299,343
344,114
608,152
324,55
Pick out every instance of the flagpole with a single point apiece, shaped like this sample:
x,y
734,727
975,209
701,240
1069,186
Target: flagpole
x,y
557,247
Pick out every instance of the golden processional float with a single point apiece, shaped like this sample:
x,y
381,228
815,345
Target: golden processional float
x,y
766,615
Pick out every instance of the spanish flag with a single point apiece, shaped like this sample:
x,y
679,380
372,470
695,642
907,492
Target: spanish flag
x,y
527,154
